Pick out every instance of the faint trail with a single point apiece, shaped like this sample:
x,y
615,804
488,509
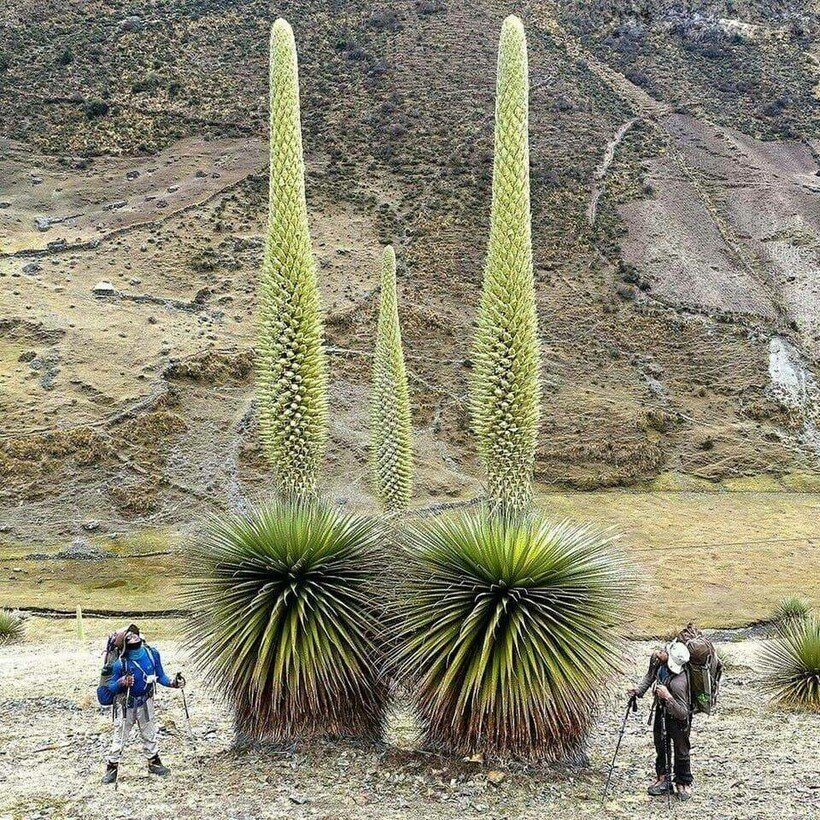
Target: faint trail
x,y
153,222
599,177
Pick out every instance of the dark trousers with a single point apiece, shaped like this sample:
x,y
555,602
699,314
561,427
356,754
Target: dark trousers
x,y
677,742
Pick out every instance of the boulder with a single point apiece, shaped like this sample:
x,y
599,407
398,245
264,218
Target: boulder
x,y
132,23
104,288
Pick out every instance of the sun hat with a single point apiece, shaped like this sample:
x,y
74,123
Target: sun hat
x,y
678,656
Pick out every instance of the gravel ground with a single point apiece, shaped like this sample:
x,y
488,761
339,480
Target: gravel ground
x,y
749,760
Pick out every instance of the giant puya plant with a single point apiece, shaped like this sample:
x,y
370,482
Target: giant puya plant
x,y
285,619
291,366
505,390
507,628
390,402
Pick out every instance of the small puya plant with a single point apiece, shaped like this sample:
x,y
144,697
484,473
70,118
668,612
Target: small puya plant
x,y
390,422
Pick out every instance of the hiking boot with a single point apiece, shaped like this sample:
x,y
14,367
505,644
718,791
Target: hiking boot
x,y
110,775
659,787
155,766
684,792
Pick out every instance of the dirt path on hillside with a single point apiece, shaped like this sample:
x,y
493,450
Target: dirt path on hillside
x,y
749,761
600,172
779,297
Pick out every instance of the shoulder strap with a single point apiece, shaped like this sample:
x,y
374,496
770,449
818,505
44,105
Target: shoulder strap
x,y
152,655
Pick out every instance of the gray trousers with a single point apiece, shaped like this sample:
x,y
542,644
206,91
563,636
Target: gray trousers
x,y
145,720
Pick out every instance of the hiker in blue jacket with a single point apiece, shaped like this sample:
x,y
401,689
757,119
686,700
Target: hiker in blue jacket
x,y
134,678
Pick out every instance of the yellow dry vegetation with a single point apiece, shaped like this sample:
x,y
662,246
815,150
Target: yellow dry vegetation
x,y
718,558
722,559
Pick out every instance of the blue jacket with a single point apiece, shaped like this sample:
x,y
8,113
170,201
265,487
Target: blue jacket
x,y
141,663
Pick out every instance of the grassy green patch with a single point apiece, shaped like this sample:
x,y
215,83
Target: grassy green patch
x,y
802,482
753,484
682,482
123,583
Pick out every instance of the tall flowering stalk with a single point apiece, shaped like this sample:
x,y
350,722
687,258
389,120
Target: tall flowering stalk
x,y
505,392
291,365
390,410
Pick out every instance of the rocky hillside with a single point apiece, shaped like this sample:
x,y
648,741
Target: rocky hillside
x,y
676,216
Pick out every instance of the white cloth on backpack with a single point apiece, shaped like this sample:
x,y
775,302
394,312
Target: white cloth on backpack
x,y
145,719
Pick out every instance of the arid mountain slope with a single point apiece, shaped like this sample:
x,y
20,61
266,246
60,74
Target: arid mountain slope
x,y
676,230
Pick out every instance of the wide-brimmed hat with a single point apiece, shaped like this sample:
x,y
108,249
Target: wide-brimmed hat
x,y
678,656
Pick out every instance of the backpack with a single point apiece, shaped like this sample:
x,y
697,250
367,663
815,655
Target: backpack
x,y
113,649
704,670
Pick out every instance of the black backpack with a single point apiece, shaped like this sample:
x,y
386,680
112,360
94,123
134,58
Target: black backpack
x,y
113,650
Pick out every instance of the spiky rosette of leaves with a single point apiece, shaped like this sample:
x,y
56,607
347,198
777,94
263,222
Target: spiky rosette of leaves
x,y
11,627
791,608
506,630
505,390
286,621
291,365
390,423
791,664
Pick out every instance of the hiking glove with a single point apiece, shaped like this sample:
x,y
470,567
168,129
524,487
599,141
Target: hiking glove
x,y
179,681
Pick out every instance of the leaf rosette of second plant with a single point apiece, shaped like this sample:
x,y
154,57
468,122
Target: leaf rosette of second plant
x,y
791,664
506,631
286,621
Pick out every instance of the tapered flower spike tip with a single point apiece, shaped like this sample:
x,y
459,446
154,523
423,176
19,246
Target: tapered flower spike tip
x,y
291,365
512,27
390,421
505,391
389,266
284,71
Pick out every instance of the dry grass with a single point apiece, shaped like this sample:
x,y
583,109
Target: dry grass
x,y
722,559
146,584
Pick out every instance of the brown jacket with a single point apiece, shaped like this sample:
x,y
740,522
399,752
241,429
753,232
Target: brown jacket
x,y
678,686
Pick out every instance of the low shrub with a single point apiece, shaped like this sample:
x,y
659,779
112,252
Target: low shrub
x,y
11,627
791,664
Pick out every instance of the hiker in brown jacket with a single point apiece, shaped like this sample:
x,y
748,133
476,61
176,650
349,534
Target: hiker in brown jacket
x,y
670,681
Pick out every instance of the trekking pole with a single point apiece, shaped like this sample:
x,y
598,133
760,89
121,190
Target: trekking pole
x,y
124,666
666,755
652,711
122,736
188,717
633,706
